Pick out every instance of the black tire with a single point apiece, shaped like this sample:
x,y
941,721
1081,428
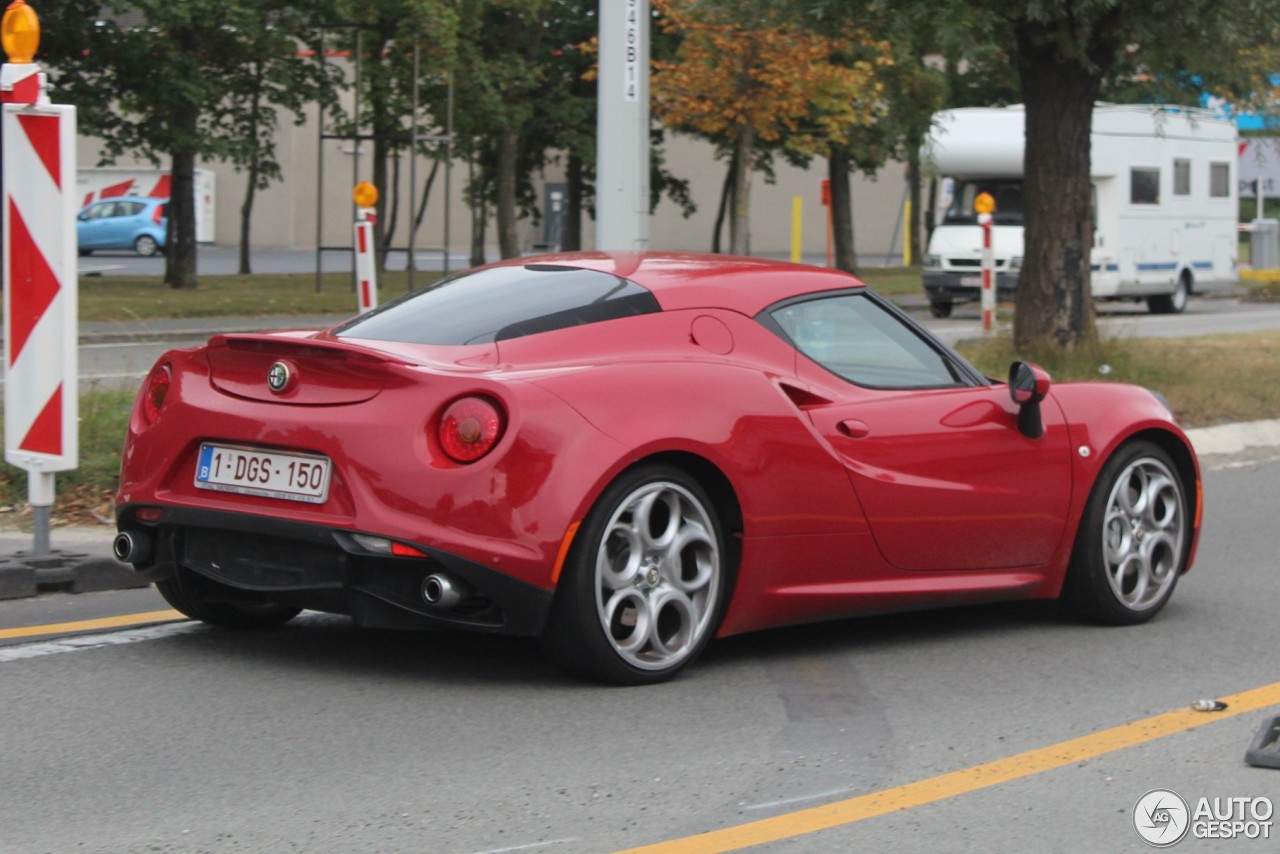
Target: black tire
x,y
940,309
1133,541
1175,302
146,246
225,614
665,604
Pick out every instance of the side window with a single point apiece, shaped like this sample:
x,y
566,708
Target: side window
x,y
1181,177
857,339
1144,186
1219,180
129,208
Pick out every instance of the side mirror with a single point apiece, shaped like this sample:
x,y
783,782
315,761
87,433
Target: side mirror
x,y
1028,385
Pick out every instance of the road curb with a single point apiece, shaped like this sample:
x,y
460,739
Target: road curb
x,y
1235,438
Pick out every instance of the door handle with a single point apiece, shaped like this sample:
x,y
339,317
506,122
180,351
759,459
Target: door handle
x,y
853,428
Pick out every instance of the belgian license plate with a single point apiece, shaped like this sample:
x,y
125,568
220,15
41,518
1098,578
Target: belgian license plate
x,y
253,471
971,281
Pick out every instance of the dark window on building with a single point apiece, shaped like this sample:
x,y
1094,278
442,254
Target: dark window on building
x,y
1144,186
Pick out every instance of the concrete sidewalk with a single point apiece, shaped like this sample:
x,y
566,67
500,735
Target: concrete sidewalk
x,y
81,559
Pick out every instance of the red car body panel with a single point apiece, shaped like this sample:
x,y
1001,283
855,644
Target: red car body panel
x,y
844,500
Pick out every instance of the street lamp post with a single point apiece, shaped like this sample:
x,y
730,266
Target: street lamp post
x,y
622,126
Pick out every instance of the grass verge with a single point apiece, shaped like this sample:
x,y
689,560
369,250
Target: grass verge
x,y
1211,379
108,298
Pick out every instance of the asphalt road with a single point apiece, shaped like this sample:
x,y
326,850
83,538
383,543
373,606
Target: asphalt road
x,y
319,737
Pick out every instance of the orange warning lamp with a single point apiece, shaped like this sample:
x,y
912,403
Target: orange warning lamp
x,y
20,32
985,203
365,194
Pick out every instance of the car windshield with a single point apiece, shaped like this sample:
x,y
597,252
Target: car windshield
x,y
856,338
502,302
1007,193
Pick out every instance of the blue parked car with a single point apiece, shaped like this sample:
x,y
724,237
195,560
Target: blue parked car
x,y
123,222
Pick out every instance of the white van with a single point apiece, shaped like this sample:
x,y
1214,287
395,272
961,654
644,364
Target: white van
x,y
1165,203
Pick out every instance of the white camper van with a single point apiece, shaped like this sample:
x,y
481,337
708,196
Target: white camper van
x,y
1165,206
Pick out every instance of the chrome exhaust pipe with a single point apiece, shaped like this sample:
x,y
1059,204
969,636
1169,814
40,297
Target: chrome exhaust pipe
x,y
443,591
131,547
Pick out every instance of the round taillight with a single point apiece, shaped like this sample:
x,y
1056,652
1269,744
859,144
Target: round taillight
x,y
155,392
469,428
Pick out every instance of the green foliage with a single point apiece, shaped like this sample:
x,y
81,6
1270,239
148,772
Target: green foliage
x,y
179,81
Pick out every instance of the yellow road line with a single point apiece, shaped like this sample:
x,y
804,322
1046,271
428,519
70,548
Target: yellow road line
x,y
142,619
961,782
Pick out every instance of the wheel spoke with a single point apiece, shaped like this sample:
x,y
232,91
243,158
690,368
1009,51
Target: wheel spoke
x,y
620,556
689,560
660,508
629,620
675,624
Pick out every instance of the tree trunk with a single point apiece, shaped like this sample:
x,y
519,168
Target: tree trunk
x,y
1054,299
740,218
410,262
913,189
383,128
508,154
571,240
478,190
380,156
726,199
180,243
838,163
393,206
251,188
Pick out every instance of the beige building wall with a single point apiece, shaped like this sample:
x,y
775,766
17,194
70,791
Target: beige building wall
x,y
285,215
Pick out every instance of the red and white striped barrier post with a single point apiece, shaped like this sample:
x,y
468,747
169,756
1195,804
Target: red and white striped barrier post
x,y
366,196
41,403
985,205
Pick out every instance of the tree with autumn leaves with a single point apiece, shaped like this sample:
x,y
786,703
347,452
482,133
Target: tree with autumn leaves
x,y
752,83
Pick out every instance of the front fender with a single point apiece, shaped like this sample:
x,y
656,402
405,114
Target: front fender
x,y
1101,417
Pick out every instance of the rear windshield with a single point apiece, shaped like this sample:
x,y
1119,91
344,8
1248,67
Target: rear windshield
x,y
502,302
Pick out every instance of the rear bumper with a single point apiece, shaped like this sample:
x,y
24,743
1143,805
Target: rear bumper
x,y
233,557
947,287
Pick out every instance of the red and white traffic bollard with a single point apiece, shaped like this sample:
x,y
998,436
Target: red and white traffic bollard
x,y
41,400
366,266
985,205
988,276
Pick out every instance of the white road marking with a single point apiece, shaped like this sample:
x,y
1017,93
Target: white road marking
x,y
80,643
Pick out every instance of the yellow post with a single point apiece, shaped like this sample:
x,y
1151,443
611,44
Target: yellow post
x,y
906,234
797,228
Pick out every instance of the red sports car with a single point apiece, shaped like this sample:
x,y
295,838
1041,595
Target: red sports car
x,y
629,453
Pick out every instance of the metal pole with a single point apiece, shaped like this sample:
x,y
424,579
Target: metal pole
x,y
622,126
324,73
409,264
355,135
448,167
40,496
